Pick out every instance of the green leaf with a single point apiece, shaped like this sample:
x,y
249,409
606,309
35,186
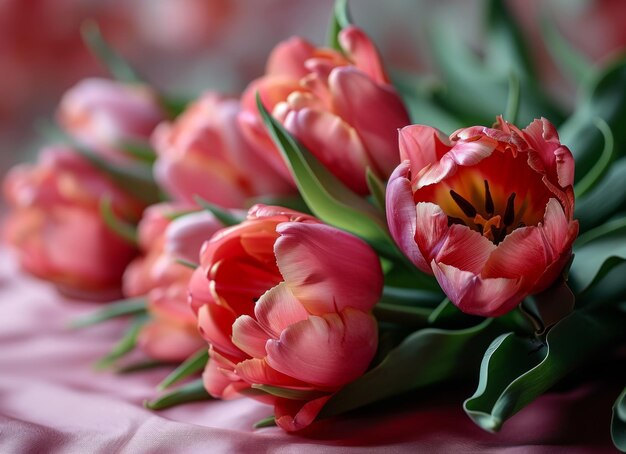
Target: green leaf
x,y
410,297
270,421
226,217
339,19
191,392
140,365
112,310
416,317
377,188
287,393
550,306
187,263
618,422
426,357
601,167
121,228
597,252
195,363
139,150
506,51
571,62
602,96
327,197
117,66
517,370
125,345
604,199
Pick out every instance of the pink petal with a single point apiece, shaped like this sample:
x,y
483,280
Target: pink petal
x,y
465,249
374,111
556,160
215,325
288,58
278,309
257,371
472,294
293,415
327,269
334,142
249,336
219,378
422,146
363,53
169,342
401,215
461,154
327,351
430,229
185,235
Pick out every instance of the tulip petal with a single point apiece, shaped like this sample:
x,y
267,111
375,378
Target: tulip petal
x,y
327,269
474,295
278,308
168,342
249,336
334,142
465,249
215,325
219,380
293,415
375,111
421,146
430,229
288,58
327,351
363,53
556,160
257,371
401,215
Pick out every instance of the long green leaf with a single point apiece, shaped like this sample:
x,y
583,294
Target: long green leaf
x,y
226,217
125,345
339,19
515,370
601,167
121,228
130,306
191,392
327,197
194,364
597,252
426,357
618,422
113,61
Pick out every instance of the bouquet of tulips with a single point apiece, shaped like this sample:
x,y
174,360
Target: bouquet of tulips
x,y
320,243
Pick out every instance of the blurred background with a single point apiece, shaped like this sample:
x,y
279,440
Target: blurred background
x,y
186,46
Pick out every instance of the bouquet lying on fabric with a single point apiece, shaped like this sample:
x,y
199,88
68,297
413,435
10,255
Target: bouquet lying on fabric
x,y
309,246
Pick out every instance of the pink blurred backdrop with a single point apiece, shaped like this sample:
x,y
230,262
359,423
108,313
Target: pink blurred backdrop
x,y
185,46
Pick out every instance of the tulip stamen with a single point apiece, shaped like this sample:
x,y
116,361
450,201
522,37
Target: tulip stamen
x,y
509,212
453,220
489,205
465,206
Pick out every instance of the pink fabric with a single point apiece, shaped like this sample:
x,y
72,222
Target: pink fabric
x,y
52,400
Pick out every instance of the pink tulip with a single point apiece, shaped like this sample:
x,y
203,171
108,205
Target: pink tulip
x,y
104,114
56,227
284,301
488,211
171,334
204,153
341,106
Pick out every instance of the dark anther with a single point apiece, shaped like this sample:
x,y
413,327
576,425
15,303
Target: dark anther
x,y
520,225
498,234
480,228
509,212
463,204
255,299
453,220
489,207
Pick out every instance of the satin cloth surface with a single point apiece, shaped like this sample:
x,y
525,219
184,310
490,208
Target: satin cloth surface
x,y
52,400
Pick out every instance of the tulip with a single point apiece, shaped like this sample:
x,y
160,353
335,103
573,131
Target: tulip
x,y
204,153
340,106
105,115
56,227
171,334
284,301
488,211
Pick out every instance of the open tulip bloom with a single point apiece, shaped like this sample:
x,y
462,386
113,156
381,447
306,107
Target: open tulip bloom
x,y
403,258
